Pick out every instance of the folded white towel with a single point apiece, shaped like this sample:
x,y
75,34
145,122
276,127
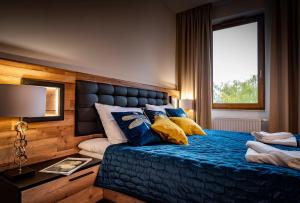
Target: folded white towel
x,y
262,153
272,136
281,138
262,158
292,141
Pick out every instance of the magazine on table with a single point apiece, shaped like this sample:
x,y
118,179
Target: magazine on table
x,y
66,166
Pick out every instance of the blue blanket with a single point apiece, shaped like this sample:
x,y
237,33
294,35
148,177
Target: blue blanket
x,y
211,169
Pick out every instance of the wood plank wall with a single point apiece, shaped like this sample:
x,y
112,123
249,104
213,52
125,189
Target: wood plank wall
x,y
48,140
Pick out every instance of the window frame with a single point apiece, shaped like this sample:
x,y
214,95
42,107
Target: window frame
x,y
261,63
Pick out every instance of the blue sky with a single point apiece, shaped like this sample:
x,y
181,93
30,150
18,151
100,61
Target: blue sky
x,y
235,53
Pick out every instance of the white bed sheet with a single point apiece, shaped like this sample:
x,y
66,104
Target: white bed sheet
x,y
91,154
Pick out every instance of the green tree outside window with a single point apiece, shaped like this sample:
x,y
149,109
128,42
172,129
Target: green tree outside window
x,y
236,91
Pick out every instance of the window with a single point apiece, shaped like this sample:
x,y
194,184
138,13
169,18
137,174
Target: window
x,y
238,64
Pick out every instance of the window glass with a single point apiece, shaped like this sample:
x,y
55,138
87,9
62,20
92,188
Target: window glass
x,y
235,64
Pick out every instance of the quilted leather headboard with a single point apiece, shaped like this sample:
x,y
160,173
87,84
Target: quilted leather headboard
x,y
88,93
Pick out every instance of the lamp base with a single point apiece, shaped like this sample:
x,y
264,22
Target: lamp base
x,y
14,174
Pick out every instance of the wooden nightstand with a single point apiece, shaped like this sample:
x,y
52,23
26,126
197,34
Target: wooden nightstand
x,y
47,187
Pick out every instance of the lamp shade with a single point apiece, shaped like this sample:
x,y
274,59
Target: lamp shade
x,y
186,103
22,101
174,102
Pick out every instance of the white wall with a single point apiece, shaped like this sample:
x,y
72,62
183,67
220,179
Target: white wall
x,y
232,9
132,40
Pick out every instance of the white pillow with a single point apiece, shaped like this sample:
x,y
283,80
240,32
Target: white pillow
x,y
159,108
96,145
112,130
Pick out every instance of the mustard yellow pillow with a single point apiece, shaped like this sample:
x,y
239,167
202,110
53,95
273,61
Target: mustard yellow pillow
x,y
189,126
169,131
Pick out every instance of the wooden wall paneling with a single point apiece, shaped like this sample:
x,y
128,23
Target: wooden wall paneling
x,y
51,155
5,79
48,140
34,74
69,96
7,124
65,138
6,156
40,148
7,67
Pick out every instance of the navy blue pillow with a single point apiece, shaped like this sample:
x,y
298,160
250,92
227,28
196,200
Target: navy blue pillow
x,y
137,128
151,114
176,112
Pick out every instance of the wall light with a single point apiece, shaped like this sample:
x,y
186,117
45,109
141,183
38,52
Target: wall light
x,y
186,104
174,101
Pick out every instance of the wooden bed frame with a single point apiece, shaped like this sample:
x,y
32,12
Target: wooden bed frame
x,y
119,197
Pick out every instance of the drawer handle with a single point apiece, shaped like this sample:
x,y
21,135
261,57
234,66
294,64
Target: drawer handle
x,y
81,176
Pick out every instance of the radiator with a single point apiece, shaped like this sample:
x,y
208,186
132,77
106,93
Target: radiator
x,y
237,124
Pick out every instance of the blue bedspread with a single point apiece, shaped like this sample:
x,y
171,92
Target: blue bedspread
x,y
211,169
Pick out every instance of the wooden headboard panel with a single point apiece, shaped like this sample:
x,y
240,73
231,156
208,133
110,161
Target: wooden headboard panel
x,y
51,139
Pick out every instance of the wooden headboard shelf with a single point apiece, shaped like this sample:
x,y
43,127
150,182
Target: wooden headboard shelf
x,y
48,140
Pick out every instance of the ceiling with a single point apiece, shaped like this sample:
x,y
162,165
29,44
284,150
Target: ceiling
x,y
182,5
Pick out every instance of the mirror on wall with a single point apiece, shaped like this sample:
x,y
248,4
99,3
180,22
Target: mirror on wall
x,y
55,98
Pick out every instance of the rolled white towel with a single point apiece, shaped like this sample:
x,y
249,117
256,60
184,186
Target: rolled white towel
x,y
272,136
283,138
262,153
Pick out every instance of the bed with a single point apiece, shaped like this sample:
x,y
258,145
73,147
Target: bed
x,y
210,169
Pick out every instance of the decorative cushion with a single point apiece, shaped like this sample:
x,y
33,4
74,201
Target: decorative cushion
x,y
169,131
136,127
151,114
159,108
189,126
175,112
112,130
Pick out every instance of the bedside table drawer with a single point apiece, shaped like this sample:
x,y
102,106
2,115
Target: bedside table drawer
x,y
61,188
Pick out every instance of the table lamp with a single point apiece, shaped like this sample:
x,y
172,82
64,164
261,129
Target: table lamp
x,y
21,101
187,105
